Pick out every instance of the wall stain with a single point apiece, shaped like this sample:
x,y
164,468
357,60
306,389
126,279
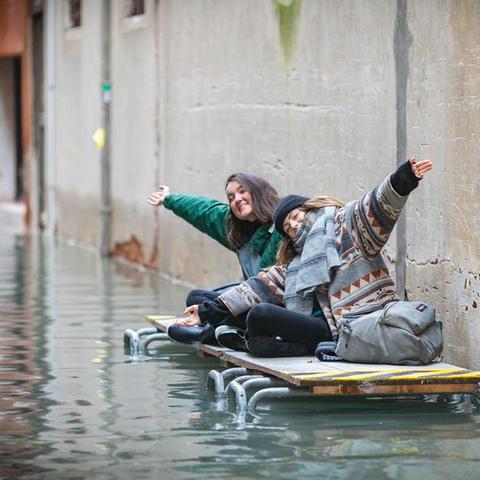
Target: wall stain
x,y
131,250
287,12
153,261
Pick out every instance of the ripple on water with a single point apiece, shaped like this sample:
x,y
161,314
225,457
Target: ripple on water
x,y
73,405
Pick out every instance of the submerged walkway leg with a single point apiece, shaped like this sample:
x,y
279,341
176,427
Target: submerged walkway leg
x,y
131,341
241,384
218,378
241,379
151,338
240,395
146,331
276,392
264,382
475,399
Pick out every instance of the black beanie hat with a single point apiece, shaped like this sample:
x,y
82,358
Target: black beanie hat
x,y
284,206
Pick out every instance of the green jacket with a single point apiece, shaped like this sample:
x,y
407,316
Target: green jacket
x,y
211,217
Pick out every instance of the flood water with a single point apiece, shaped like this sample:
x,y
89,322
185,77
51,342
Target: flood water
x,y
74,405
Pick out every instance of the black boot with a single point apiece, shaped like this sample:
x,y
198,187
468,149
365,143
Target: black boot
x,y
325,352
231,337
190,335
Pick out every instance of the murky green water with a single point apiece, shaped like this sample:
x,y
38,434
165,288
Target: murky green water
x,y
73,405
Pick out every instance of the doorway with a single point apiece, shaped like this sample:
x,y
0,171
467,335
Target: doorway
x,y
11,150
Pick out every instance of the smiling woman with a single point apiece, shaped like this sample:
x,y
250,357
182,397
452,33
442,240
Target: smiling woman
x,y
240,201
251,200
244,225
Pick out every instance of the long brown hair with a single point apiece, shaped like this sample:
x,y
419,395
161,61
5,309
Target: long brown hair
x,y
264,199
286,252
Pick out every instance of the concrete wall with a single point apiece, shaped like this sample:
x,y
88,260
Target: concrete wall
x,y
8,139
443,110
78,115
320,97
135,129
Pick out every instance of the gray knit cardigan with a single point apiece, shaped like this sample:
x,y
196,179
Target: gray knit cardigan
x,y
362,229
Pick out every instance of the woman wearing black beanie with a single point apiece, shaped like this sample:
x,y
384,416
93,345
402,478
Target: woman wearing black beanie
x,y
329,264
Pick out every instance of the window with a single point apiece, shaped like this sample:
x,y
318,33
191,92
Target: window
x,y
134,7
74,15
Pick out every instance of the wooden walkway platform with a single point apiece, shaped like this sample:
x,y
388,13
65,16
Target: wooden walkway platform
x,y
345,378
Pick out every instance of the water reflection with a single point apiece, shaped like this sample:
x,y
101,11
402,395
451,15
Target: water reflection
x,y
73,405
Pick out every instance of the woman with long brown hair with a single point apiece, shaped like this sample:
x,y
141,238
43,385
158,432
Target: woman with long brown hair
x,y
243,225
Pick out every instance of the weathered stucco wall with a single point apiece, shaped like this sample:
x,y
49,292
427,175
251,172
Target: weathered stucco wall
x,y
134,131
319,97
443,261
78,114
322,122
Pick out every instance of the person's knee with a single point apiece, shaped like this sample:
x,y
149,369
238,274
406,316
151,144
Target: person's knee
x,y
257,315
195,297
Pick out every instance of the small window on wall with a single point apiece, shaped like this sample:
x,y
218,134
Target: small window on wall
x,y
134,8
74,13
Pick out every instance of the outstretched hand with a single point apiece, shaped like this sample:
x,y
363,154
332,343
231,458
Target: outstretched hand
x,y
157,198
419,169
192,319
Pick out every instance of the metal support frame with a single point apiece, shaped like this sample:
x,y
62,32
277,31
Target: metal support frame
x,y
241,379
275,392
133,343
240,395
475,399
264,382
151,338
218,378
450,398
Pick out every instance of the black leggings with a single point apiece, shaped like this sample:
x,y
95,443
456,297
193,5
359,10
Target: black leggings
x,y
267,320
199,295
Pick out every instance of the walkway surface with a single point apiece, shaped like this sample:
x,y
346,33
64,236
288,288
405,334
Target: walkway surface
x,y
345,378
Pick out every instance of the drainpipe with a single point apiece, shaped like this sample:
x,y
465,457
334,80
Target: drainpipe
x,y
105,233
50,117
402,41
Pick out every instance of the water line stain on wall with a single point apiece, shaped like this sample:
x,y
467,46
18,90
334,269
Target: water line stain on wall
x,y
287,12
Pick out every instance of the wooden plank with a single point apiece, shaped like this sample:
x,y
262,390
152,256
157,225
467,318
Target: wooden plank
x,y
411,389
345,378
161,321
282,368
213,350
372,367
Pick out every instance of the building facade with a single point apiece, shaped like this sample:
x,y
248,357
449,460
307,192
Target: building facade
x,y
319,97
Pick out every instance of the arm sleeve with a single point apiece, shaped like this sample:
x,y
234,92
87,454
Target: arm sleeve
x,y
371,219
266,287
404,181
207,215
213,311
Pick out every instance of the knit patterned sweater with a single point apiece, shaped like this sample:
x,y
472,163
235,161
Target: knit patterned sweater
x,y
362,229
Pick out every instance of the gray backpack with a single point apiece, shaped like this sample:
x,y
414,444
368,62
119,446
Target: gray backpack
x,y
402,333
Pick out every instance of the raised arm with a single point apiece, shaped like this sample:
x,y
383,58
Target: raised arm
x,y
205,214
372,218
